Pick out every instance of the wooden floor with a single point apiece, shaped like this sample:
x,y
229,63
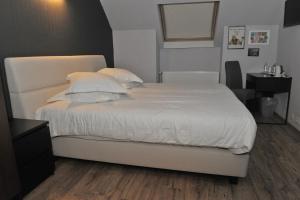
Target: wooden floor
x,y
275,119
274,173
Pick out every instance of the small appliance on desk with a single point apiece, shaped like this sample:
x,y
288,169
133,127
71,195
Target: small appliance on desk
x,y
274,70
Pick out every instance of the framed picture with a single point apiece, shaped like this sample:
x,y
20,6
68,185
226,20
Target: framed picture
x,y
253,52
259,37
236,37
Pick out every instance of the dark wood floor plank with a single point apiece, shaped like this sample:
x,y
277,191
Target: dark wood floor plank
x,y
243,190
274,174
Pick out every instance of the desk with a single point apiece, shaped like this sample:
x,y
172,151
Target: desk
x,y
268,85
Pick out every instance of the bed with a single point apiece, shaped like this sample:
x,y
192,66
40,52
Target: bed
x,y
166,126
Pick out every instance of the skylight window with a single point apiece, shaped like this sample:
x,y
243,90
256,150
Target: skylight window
x,y
189,21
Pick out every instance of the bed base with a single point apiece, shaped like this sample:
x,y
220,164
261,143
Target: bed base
x,y
173,157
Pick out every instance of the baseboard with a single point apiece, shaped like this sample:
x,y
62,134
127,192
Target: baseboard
x,y
294,124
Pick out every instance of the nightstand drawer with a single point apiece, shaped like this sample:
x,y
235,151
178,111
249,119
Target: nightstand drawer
x,y
37,171
267,83
32,145
273,85
33,149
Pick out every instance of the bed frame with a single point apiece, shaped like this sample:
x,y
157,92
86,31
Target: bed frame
x,y
32,80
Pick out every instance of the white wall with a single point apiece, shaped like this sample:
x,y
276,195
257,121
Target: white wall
x,y
289,57
193,59
136,50
143,14
243,12
268,53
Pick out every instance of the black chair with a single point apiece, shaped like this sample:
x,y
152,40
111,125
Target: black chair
x,y
234,81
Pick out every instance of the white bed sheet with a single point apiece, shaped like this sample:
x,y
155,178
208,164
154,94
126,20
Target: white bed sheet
x,y
205,115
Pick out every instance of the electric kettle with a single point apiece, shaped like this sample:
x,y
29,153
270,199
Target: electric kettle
x,y
278,70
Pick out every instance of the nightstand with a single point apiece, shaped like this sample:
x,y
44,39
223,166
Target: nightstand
x,y
33,150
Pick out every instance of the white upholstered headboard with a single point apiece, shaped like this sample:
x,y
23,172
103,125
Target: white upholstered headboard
x,y
32,80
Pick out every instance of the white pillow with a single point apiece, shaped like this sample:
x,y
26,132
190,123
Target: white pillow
x,y
132,85
77,75
90,97
122,75
93,82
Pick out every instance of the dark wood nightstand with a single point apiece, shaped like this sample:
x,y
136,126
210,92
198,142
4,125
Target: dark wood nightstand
x,y
33,150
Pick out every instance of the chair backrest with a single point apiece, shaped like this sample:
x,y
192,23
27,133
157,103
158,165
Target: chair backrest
x,y
234,78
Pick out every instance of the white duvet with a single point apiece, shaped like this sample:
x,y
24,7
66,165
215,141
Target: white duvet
x,y
206,115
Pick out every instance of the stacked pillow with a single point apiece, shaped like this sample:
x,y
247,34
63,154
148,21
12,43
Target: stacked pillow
x,y
126,78
88,97
107,84
82,82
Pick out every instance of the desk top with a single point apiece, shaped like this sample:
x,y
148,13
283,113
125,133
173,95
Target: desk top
x,y
264,75
268,83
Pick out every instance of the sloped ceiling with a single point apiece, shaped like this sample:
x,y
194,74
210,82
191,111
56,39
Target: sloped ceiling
x,y
130,14
143,14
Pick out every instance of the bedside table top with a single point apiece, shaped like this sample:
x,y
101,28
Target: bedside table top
x,y
22,127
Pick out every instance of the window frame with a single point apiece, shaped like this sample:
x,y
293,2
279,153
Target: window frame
x,y
216,5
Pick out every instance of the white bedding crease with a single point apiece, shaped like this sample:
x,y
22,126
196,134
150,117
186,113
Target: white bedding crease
x,y
202,115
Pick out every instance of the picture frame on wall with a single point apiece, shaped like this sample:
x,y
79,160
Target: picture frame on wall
x,y
253,52
236,37
259,37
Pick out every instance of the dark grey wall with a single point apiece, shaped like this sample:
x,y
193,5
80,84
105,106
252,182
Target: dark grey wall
x,y
54,27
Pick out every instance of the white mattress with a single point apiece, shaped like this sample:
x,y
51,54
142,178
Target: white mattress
x,y
205,115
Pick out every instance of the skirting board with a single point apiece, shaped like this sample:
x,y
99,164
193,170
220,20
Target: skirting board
x,y
294,124
182,158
